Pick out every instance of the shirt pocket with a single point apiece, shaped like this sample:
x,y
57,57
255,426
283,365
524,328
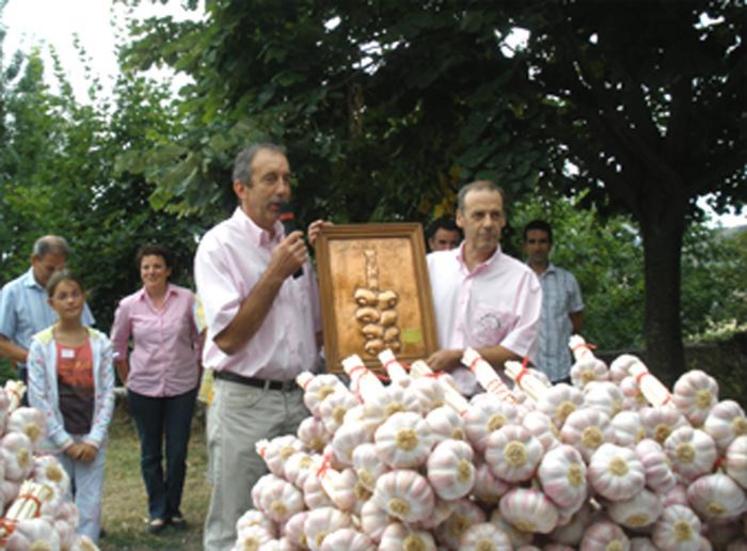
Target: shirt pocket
x,y
488,325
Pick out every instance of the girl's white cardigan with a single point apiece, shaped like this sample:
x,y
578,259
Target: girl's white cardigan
x,y
43,395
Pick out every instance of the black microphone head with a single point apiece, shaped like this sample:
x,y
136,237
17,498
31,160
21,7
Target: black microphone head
x,y
286,217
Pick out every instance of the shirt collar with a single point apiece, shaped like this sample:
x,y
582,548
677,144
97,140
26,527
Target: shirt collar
x,y
460,258
257,235
551,269
30,281
142,295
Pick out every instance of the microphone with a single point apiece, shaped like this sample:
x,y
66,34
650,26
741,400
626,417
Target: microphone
x,y
288,219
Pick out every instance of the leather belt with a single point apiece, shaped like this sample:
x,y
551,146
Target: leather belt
x,y
253,381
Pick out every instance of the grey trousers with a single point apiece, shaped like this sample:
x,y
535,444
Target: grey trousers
x,y
238,417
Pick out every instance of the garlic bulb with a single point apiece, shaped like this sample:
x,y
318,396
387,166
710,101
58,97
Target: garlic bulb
x,y
279,500
276,452
659,475
398,537
604,535
374,520
17,454
253,517
321,522
47,470
643,509
403,440
485,417
445,423
716,497
619,368
694,394
392,399
517,537
342,487
404,494
348,539
451,470
691,451
586,429
634,398
676,496
626,428
661,421
346,438
588,370
605,397
616,473
678,529
317,388
332,409
529,510
314,495
299,466
725,422
29,421
428,392
313,435
441,511
572,533
464,514
8,491
736,460
485,537
642,544
541,427
488,488
252,537
560,401
562,474
513,453
363,417
367,465
33,534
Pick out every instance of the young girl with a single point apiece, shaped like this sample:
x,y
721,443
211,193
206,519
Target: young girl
x,y
71,380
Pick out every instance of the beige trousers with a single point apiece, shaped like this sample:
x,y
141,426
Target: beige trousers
x,y
238,417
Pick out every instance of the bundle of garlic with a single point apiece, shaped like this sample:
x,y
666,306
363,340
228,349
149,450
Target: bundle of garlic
x,y
35,489
613,461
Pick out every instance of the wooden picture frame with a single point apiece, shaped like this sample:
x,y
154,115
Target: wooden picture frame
x,y
375,293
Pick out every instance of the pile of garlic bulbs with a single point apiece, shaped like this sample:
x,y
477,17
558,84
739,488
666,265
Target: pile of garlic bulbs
x,y
613,462
34,487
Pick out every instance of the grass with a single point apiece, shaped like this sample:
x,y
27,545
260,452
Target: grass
x,y
125,511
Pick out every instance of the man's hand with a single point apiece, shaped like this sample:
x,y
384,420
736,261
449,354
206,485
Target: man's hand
x,y
288,256
314,228
445,360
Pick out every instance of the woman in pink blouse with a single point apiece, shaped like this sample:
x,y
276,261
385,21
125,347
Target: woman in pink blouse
x,y
162,377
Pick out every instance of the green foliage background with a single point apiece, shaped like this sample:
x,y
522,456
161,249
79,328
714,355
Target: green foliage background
x,y
388,131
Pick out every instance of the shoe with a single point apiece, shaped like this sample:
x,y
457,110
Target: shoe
x,y
156,525
178,522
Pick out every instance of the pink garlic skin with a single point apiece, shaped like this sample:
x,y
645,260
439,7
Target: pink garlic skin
x,y
600,534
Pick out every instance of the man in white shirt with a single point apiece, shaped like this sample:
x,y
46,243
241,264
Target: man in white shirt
x,y
562,305
482,298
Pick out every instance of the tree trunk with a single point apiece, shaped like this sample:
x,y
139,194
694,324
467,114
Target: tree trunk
x,y
662,226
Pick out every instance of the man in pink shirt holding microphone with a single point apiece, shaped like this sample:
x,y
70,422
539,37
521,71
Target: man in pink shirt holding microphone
x,y
262,311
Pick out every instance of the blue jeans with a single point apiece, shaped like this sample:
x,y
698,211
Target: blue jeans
x,y
86,485
156,418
